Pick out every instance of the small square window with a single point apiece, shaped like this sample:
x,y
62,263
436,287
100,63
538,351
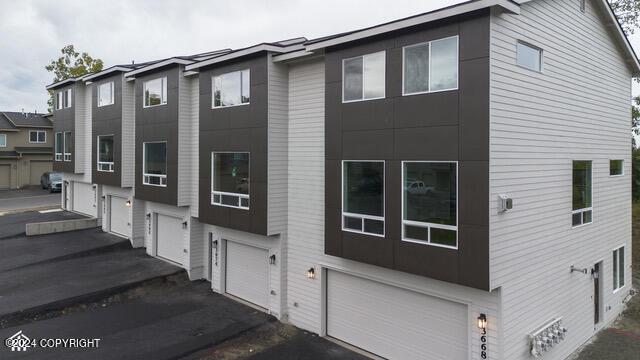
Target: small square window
x,y
618,268
3,140
529,56
363,77
37,137
155,92
105,94
615,167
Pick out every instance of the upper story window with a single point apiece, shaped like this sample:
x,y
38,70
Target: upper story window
x,y
37,136
231,89
155,163
363,77
67,146
430,203
529,56
615,167
105,153
230,179
63,99
155,92
582,193
59,145
3,140
618,268
363,197
430,66
105,94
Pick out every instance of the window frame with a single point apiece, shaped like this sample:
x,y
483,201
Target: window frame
x,y
531,46
111,89
582,210
213,89
58,155
68,102
425,224
145,176
621,167
38,137
59,101
4,143
163,92
617,268
221,193
457,87
364,217
384,77
66,155
109,164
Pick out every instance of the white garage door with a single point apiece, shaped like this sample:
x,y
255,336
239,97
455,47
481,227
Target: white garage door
x,y
247,275
83,198
394,323
5,176
119,216
169,238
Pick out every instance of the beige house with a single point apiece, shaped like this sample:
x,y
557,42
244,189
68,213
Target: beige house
x,y
26,148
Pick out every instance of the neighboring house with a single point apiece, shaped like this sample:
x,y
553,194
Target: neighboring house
x,y
453,185
26,148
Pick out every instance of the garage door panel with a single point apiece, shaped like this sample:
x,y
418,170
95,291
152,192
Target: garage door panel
x,y
119,216
36,169
83,198
170,238
394,323
5,176
247,273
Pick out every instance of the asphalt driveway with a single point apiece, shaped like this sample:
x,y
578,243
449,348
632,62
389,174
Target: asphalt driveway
x,y
32,197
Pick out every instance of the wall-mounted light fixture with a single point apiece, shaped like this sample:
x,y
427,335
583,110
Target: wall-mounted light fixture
x,y
185,224
149,216
215,244
311,273
272,259
482,321
128,203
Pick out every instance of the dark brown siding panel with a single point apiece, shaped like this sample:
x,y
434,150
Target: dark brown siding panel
x,y
107,120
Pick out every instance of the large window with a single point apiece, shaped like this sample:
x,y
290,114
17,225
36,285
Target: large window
x,y
615,167
3,140
582,193
363,77
430,203
231,89
63,99
59,146
618,268
431,66
363,197
105,94
155,163
155,92
105,153
528,56
230,179
67,146
37,136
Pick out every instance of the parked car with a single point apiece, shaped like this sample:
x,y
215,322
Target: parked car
x,y
51,181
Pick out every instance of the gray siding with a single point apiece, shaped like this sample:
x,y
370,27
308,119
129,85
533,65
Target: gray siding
x,y
82,141
128,134
577,108
187,153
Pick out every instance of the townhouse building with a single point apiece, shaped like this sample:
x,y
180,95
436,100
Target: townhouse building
x,y
453,185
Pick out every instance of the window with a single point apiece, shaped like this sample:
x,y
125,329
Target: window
x,y
431,66
105,94
37,136
430,202
105,153
67,146
529,56
231,89
582,193
230,179
3,140
618,268
63,99
155,163
363,77
59,145
615,168
59,100
363,197
155,92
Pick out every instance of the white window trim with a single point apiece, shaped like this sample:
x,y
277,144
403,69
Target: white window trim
x,y
404,93
145,176
617,175
58,100
220,193
213,90
67,155
363,216
163,90
384,77
58,155
107,164
4,143
111,89
583,210
426,224
615,285
530,45
37,132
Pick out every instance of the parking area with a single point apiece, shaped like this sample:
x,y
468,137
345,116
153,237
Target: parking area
x,y
32,197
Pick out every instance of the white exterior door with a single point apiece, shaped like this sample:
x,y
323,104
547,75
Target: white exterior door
x,y
119,216
395,323
83,198
247,273
169,238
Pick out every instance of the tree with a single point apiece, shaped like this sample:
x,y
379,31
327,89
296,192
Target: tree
x,y
628,14
70,65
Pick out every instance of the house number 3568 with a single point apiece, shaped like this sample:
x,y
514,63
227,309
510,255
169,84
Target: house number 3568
x,y
483,344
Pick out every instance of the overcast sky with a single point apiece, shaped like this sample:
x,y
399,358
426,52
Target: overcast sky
x,y
32,32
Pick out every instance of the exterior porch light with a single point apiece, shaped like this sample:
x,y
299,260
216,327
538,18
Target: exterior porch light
x,y
311,273
128,203
482,321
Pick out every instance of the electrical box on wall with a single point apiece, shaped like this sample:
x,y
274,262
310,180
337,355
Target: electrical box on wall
x,y
505,203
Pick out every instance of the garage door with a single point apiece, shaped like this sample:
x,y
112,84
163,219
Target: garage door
x,y
392,322
5,176
83,198
119,216
247,275
169,238
36,169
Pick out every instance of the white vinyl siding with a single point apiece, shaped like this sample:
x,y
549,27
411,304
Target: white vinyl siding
x,y
128,137
278,137
187,139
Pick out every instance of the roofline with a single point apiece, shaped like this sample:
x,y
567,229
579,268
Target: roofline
x,y
159,64
8,119
244,52
105,72
63,82
438,14
622,37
